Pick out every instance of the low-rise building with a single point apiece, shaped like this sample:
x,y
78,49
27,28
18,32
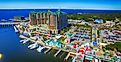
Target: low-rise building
x,y
109,23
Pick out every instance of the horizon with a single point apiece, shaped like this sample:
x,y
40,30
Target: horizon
x,y
57,9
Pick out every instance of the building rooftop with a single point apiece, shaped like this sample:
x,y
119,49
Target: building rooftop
x,y
48,12
98,21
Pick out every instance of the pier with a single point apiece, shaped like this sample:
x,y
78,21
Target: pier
x,y
5,24
68,55
8,24
47,50
57,52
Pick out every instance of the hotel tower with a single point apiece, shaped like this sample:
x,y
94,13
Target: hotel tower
x,y
54,21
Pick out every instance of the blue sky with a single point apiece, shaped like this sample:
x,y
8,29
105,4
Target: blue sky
x,y
61,4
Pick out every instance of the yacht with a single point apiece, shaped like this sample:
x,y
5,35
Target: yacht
x,y
40,48
24,41
33,46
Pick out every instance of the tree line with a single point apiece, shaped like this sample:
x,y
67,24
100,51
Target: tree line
x,y
92,16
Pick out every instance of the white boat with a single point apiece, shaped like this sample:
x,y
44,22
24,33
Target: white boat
x,y
15,29
33,46
40,49
21,40
74,59
33,38
97,60
24,41
23,37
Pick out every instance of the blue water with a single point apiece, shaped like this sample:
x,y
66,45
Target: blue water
x,y
10,13
14,51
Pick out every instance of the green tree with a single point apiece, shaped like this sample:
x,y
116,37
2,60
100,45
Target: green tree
x,y
116,45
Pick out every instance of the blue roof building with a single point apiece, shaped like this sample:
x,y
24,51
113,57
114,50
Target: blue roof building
x,y
98,21
95,43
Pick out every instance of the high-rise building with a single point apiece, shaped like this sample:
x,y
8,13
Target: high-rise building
x,y
54,21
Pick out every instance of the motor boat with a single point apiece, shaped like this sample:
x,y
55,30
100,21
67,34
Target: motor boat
x,y
33,46
15,29
22,36
40,48
74,59
24,41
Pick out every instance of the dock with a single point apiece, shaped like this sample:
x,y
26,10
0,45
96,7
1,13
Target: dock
x,y
67,56
70,54
57,52
47,50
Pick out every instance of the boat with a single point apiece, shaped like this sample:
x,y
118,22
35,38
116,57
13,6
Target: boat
x,y
15,29
74,59
40,48
33,46
22,37
24,41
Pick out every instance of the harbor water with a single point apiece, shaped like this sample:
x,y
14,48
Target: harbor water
x,y
14,51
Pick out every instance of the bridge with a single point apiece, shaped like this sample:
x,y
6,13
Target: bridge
x,y
7,24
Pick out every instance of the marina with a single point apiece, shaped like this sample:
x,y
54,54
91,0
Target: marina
x,y
48,37
50,50
49,47
14,51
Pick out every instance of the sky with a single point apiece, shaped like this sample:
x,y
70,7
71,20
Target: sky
x,y
61,4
